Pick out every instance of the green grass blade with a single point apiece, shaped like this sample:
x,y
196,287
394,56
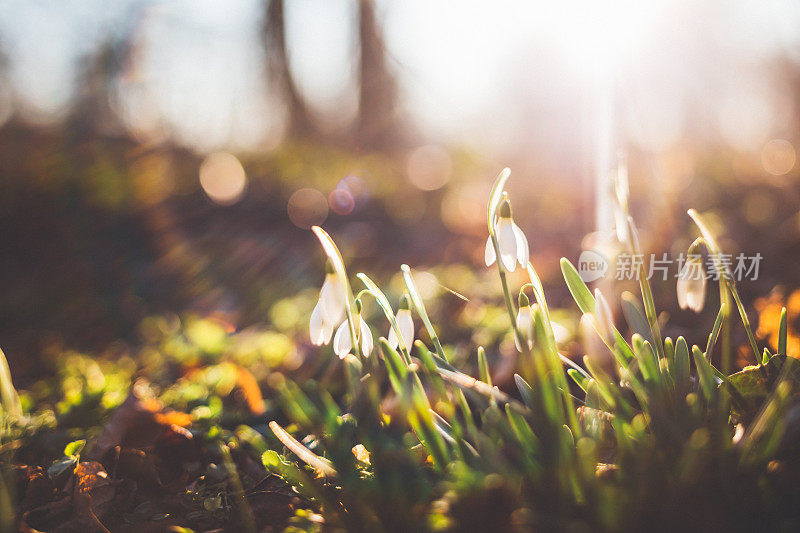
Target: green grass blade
x,y
525,391
712,338
320,464
704,373
386,307
580,292
483,367
394,365
419,305
579,379
634,316
782,333
681,364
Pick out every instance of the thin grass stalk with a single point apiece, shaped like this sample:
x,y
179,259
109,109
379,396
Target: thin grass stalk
x,y
711,243
419,305
647,291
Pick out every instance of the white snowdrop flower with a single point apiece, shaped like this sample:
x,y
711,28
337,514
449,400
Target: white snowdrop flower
x,y
320,330
404,323
343,341
604,317
510,239
329,309
691,285
524,323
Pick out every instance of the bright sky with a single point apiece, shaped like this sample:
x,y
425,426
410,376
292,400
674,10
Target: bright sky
x,y
480,72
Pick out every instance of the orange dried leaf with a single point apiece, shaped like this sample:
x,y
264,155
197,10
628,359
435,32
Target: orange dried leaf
x,y
250,390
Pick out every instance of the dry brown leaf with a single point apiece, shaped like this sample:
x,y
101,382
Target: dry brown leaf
x,y
137,423
250,390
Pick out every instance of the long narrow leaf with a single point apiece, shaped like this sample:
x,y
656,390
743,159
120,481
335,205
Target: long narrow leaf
x,y
782,333
320,464
386,307
419,305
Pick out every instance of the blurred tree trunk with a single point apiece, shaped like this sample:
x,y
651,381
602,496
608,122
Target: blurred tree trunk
x,y
378,124
300,124
92,114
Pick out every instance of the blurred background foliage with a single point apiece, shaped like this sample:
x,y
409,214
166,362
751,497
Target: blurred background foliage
x,y
164,159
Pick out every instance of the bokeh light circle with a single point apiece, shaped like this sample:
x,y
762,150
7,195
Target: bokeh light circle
x,y
778,157
307,207
341,201
429,167
223,178
357,188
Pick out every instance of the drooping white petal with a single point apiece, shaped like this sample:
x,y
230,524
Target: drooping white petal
x,y
327,329
682,290
392,338
342,342
507,242
332,297
406,325
560,333
523,251
524,327
604,317
696,299
489,256
316,327
366,339
691,286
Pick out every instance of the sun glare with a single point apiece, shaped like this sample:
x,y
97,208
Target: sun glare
x,y
600,37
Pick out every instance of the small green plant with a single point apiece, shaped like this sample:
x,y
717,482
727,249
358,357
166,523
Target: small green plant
x,y
659,439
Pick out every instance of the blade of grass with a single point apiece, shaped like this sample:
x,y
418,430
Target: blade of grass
x,y
246,518
419,305
483,367
386,307
782,332
712,338
320,464
633,315
716,251
682,364
583,297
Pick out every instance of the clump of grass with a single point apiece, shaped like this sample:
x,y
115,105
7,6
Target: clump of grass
x,y
660,439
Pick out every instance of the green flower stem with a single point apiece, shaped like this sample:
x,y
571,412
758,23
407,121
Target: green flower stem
x,y
647,293
743,314
729,285
383,302
557,368
507,296
495,198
